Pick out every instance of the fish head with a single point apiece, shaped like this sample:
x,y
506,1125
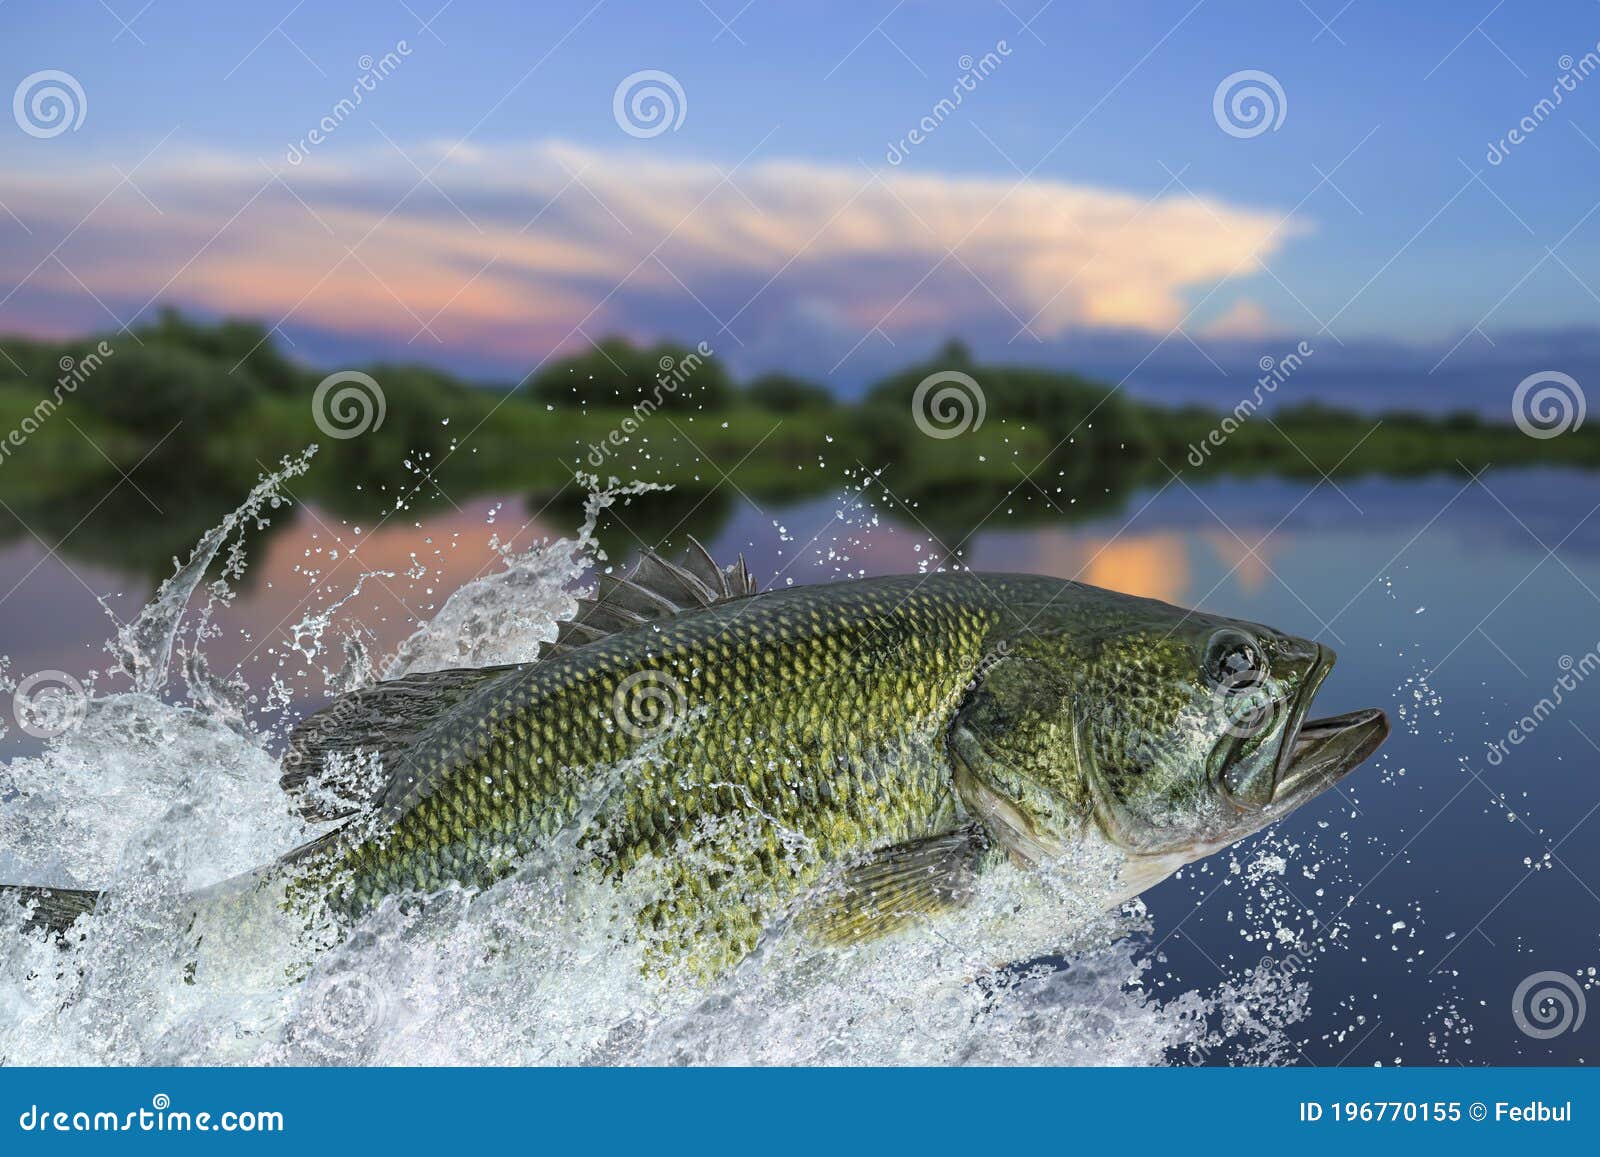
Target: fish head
x,y
1165,733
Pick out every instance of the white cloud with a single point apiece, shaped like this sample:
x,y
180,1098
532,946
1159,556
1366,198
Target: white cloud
x,y
512,250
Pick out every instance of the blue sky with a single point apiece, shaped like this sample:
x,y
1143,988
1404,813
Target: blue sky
x,y
1096,111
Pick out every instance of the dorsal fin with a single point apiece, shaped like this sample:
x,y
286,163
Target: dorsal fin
x,y
394,718
388,718
657,589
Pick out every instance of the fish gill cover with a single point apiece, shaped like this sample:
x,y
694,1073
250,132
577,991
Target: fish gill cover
x,y
159,790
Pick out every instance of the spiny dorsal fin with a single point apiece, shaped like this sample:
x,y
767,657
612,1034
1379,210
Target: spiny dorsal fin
x,y
657,589
388,718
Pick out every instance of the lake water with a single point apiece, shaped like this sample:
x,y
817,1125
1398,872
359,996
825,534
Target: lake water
x,y
1414,901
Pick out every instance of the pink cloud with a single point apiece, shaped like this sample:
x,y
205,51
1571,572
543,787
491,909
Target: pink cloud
x,y
514,251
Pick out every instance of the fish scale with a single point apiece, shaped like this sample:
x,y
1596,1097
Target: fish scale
x,y
825,704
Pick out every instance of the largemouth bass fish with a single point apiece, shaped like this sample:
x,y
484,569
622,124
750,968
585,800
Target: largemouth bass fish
x,y
849,754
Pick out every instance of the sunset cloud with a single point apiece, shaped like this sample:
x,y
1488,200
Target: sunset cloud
x,y
512,252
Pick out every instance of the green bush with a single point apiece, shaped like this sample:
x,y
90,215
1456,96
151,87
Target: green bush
x,y
232,342
787,394
1059,403
151,389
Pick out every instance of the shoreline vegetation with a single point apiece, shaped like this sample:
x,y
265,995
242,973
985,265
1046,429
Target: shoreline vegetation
x,y
192,413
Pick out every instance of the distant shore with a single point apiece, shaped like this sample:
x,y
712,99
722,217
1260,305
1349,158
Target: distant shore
x,y
196,412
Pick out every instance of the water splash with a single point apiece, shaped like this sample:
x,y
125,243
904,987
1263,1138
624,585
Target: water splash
x,y
151,800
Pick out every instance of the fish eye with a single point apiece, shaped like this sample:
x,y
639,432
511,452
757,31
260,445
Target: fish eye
x,y
1234,661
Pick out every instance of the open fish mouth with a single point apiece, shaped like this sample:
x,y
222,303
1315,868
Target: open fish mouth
x,y
1317,753
1320,752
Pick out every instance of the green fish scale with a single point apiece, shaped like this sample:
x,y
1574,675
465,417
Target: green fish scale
x,y
810,720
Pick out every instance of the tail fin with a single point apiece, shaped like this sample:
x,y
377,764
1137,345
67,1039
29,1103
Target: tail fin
x,y
53,909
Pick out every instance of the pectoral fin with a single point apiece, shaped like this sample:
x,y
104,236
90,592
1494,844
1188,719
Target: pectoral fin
x,y
897,886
